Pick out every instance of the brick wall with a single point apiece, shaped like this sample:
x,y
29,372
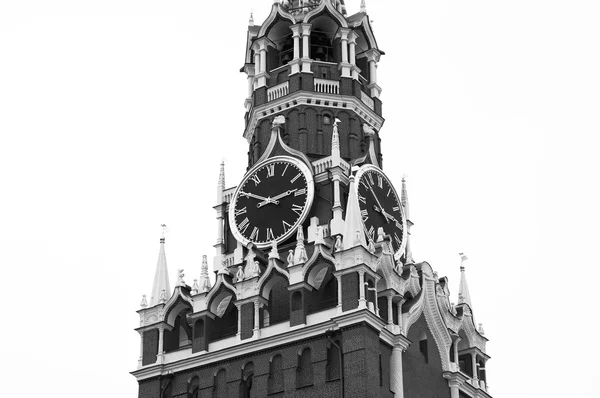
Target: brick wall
x,y
150,347
350,293
421,378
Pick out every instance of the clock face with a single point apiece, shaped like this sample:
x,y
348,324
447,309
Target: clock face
x,y
271,201
380,206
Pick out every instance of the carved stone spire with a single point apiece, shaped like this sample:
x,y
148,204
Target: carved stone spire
x,y
300,256
353,226
251,20
408,258
335,144
363,6
161,276
221,184
463,290
204,285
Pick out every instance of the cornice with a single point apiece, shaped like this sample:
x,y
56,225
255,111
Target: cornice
x,y
302,98
252,347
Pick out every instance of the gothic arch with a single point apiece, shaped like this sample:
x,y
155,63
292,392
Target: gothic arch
x,y
326,8
276,13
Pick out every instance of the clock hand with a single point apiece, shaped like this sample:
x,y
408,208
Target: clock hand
x,y
275,199
380,206
386,214
286,193
251,195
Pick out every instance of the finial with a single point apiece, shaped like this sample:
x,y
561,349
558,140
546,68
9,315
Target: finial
x,y
338,243
363,6
335,138
251,20
371,246
180,275
195,287
274,253
252,270
300,256
164,231
222,175
163,296
480,329
239,276
144,303
204,279
380,234
463,258
290,257
320,239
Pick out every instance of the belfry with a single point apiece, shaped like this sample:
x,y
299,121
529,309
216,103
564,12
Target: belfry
x,y
315,289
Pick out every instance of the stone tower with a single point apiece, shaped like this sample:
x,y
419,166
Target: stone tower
x,y
316,292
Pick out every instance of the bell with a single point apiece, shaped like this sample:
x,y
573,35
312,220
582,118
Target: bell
x,y
320,54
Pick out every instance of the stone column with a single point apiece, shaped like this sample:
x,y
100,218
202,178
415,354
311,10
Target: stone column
x,y
344,66
475,375
373,57
339,283
390,310
352,58
306,61
362,302
396,377
161,338
296,62
239,325
454,392
140,360
256,331
263,59
456,361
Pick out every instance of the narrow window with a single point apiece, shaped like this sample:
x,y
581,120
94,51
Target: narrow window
x,y
304,372
423,349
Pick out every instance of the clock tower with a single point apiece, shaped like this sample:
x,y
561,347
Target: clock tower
x,y
316,291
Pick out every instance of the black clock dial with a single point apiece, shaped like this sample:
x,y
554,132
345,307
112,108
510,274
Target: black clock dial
x,y
380,206
271,201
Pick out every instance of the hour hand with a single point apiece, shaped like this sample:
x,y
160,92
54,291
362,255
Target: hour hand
x,y
286,193
385,214
251,195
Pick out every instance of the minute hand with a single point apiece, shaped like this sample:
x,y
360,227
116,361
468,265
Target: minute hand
x,y
379,204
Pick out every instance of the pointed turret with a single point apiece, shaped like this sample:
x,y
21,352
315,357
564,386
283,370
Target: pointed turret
x,y
204,284
408,258
463,290
221,184
353,226
161,276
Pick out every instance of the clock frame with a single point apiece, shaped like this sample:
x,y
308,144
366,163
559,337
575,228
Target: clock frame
x,y
271,201
380,206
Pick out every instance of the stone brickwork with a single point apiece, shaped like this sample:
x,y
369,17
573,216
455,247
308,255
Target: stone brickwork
x,y
360,345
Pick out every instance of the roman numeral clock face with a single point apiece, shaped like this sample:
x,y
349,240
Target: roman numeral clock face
x,y
272,200
380,207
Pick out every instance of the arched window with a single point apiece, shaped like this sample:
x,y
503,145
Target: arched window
x,y
296,301
333,361
276,375
246,381
304,372
193,387
220,384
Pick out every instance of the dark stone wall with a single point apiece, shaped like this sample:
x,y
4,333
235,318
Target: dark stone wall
x,y
247,314
421,378
350,293
361,348
150,347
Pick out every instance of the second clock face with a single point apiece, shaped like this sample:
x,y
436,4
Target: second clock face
x,y
272,200
380,206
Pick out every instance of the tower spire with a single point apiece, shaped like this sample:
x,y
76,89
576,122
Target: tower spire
x,y
463,290
161,275
204,285
353,226
221,184
404,199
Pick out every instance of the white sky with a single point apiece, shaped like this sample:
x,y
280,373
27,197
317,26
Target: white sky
x,y
115,115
